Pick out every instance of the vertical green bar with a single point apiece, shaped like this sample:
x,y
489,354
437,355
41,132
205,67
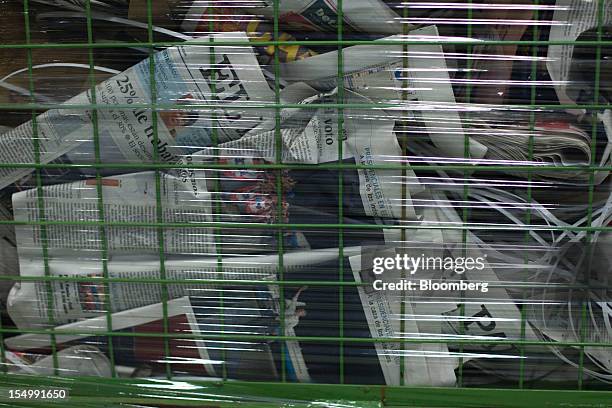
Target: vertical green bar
x,y
158,193
40,193
588,239
279,189
218,233
527,237
340,100
466,174
101,213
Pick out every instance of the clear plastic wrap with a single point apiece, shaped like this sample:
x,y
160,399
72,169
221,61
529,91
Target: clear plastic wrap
x,y
365,192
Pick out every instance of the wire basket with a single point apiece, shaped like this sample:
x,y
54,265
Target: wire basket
x,y
274,203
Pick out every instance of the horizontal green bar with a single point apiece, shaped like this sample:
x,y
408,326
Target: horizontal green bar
x,y
106,392
310,167
403,106
313,282
305,43
323,339
415,225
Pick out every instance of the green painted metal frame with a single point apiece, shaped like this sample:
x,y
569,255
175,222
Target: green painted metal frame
x,y
96,392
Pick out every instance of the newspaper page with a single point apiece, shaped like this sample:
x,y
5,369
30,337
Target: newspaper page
x,y
490,314
383,314
27,303
372,16
571,18
120,321
494,314
127,198
309,136
182,76
188,315
376,72
130,200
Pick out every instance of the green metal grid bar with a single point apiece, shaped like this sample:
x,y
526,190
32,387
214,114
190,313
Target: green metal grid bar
x,y
527,238
404,146
158,192
39,191
162,166
77,279
326,339
280,236
583,317
495,227
489,227
99,192
271,106
308,43
466,188
340,139
275,395
217,183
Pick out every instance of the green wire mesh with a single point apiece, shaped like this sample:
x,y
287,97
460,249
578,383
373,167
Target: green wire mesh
x,y
278,167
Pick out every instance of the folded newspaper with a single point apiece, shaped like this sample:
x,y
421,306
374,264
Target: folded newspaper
x,y
571,74
422,89
196,316
436,314
76,300
548,142
182,77
8,254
